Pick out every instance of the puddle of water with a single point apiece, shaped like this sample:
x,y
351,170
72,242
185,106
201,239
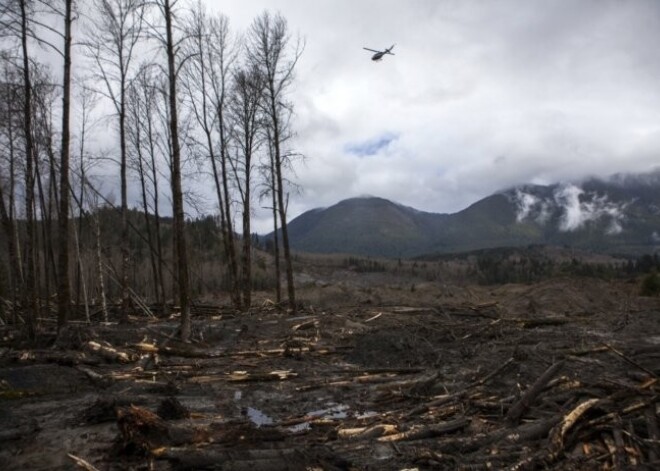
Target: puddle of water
x,y
381,451
334,412
258,418
339,411
366,414
302,427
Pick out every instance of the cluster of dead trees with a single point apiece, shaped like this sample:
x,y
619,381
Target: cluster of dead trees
x,y
183,98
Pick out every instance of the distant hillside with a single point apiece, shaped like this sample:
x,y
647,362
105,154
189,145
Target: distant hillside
x,y
618,215
369,226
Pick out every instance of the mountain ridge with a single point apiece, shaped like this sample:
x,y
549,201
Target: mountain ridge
x,y
620,214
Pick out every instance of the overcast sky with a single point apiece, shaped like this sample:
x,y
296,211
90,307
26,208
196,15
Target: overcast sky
x,y
480,96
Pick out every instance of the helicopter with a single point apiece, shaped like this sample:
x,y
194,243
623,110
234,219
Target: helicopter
x,y
379,54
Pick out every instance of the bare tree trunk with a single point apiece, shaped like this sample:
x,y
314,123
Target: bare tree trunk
x,y
117,30
276,241
30,299
7,210
19,279
244,108
125,296
207,72
87,103
159,238
148,95
8,225
281,207
80,268
145,206
177,194
48,197
247,243
64,295
267,50
49,267
231,243
99,266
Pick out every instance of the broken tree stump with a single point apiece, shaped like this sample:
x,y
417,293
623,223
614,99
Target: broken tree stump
x,y
142,430
172,409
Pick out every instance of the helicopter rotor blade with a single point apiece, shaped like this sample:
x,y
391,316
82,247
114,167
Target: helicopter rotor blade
x,y
372,50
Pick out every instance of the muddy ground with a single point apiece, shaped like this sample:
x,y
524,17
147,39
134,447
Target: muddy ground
x,y
557,375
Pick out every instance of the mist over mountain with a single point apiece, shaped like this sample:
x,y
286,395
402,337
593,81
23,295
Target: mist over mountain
x,y
620,214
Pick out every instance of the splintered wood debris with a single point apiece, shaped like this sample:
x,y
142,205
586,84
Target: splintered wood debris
x,y
423,387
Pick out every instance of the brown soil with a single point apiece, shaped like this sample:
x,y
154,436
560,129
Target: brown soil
x,y
430,378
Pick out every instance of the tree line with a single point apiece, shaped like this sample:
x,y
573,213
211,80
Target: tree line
x,y
185,97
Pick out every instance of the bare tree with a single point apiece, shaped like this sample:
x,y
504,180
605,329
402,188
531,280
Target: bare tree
x,y
269,50
140,133
116,29
87,103
19,24
64,288
45,98
171,47
244,107
206,83
272,190
10,126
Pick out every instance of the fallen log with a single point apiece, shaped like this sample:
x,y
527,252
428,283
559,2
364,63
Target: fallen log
x,y
109,353
244,376
168,350
310,324
519,408
492,374
425,383
427,431
653,433
282,459
560,431
248,460
631,362
524,433
437,402
449,398
60,358
364,433
620,458
413,310
96,378
81,463
284,351
502,437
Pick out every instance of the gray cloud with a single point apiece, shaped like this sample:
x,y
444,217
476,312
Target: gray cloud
x,y
481,95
